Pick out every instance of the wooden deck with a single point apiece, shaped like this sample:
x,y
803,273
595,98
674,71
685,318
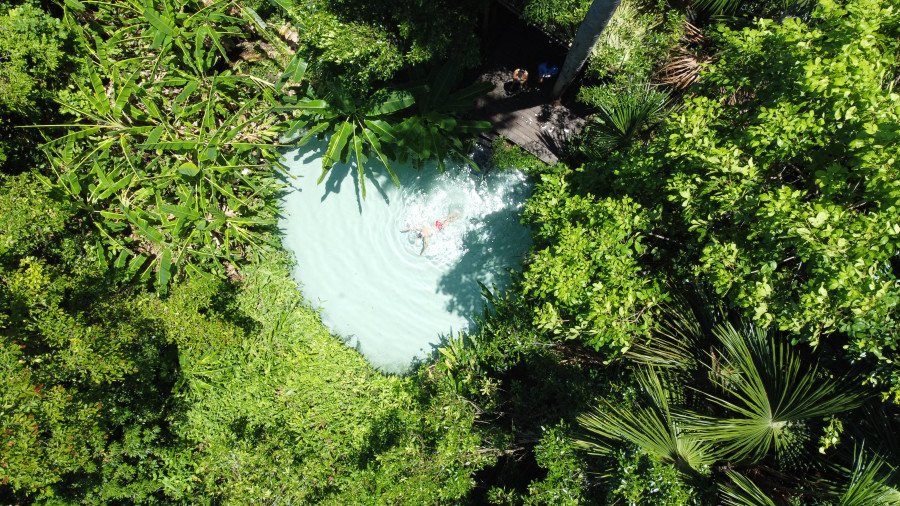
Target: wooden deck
x,y
527,118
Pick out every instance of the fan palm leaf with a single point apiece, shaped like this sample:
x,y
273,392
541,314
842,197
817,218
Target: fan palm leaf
x,y
869,483
621,119
767,390
743,492
651,427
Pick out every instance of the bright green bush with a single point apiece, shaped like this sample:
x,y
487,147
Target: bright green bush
x,y
32,57
30,219
46,433
779,179
560,17
80,364
790,194
32,53
586,279
277,408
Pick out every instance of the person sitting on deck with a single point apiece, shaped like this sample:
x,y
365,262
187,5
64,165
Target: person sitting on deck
x,y
426,231
547,71
519,78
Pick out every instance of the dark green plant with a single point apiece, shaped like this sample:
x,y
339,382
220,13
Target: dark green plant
x,y
767,394
743,492
871,481
868,482
651,426
759,386
621,118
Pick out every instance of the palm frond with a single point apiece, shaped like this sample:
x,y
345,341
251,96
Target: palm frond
x,y
675,341
621,118
767,392
869,483
651,427
743,492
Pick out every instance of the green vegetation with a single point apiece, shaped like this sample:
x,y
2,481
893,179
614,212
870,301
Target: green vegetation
x,y
709,313
222,390
33,45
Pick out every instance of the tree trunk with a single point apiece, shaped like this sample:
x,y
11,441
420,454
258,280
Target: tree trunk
x,y
598,16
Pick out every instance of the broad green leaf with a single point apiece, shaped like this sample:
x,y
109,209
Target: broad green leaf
x,y
186,92
179,211
255,18
304,105
376,148
397,101
115,187
335,147
164,274
382,129
292,131
156,21
360,163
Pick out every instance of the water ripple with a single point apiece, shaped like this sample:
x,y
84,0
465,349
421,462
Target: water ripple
x,y
366,275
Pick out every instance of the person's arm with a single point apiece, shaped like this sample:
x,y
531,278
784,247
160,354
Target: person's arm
x,y
424,244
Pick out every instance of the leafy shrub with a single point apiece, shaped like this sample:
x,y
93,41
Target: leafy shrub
x,y
586,279
32,54
638,479
364,43
30,219
560,17
79,363
32,57
277,408
567,480
779,179
785,172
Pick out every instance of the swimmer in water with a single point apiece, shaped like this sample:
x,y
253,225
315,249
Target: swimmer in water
x,y
426,231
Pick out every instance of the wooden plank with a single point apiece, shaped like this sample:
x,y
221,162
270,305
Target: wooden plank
x,y
526,119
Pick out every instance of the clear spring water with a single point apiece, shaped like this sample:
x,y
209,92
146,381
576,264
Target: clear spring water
x,y
367,277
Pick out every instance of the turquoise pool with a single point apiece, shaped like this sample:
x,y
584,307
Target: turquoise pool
x,y
367,277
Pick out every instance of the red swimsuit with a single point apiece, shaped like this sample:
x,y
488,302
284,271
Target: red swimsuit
x,y
438,225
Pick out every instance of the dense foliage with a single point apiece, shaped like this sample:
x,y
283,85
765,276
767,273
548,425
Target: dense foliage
x,y
34,54
709,313
362,44
166,155
781,179
222,391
